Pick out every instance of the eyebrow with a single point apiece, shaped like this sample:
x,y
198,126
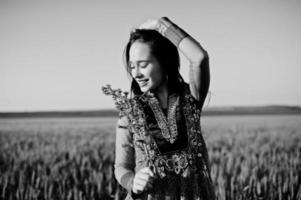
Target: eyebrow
x,y
139,62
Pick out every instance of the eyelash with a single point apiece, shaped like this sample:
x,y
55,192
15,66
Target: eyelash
x,y
142,65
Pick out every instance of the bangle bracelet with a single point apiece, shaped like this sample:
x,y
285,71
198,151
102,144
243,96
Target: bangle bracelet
x,y
171,31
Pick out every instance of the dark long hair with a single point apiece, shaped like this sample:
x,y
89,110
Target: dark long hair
x,y
164,51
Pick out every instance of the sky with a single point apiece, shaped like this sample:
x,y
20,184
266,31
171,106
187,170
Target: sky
x,y
56,55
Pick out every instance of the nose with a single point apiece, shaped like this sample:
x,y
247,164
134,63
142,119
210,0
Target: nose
x,y
136,72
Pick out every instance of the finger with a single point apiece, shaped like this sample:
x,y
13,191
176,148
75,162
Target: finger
x,y
143,178
146,169
143,175
140,184
149,171
149,24
144,25
138,189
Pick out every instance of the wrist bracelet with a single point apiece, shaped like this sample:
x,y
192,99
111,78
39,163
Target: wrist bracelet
x,y
171,31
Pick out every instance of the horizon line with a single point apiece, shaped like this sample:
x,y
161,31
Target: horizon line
x,y
205,108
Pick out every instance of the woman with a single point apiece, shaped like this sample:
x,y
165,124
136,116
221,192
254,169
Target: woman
x,y
160,151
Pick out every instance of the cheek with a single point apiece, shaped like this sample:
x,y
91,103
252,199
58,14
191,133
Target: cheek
x,y
157,76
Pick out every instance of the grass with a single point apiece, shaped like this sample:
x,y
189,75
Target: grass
x,y
72,158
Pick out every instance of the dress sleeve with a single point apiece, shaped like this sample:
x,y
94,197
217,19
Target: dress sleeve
x,y
124,155
199,73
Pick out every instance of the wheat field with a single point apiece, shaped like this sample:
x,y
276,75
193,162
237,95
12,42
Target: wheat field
x,y
252,157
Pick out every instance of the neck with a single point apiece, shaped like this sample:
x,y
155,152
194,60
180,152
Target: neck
x,y
162,95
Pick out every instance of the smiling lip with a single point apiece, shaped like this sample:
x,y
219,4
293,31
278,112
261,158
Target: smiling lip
x,y
142,82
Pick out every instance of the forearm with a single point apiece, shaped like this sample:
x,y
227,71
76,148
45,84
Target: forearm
x,y
199,81
187,45
124,155
124,177
199,74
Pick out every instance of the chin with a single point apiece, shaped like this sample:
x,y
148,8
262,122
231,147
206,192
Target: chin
x,y
144,89
148,87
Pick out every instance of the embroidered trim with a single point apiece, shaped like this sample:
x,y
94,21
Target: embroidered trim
x,y
177,163
195,155
173,102
168,126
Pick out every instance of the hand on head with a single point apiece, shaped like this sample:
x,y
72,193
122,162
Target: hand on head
x,y
143,180
149,24
160,25
154,24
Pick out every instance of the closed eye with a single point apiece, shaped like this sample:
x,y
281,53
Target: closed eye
x,y
143,64
140,64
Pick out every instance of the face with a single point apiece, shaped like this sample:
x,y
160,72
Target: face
x,y
145,68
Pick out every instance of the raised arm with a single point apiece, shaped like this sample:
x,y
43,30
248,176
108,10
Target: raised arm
x,y
199,74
